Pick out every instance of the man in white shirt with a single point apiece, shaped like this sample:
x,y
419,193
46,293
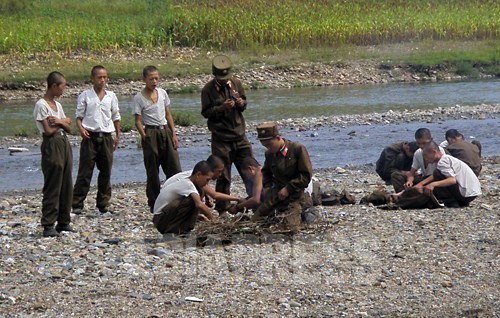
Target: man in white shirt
x,y
155,124
419,169
179,203
97,118
453,182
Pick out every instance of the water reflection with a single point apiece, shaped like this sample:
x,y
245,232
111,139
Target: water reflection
x,y
277,104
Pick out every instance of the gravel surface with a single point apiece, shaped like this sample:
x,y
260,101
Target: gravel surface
x,y
358,261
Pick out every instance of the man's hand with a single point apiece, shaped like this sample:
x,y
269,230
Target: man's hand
x,y
283,194
116,141
228,104
240,102
428,189
84,133
175,140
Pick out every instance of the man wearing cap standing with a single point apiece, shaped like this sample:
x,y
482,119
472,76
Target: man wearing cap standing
x,y
223,101
286,173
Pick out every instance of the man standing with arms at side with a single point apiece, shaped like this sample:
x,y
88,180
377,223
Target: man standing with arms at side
x,y
156,126
223,101
97,118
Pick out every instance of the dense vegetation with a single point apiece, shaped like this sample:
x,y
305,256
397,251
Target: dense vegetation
x,y
28,26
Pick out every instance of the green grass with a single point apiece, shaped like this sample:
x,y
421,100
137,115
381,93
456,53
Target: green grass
x,y
68,25
72,36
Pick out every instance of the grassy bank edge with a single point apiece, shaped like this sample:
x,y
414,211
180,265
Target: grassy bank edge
x,y
465,58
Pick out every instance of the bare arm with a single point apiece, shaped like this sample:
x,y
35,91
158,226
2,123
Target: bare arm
x,y
204,210
218,195
170,122
118,131
83,132
139,126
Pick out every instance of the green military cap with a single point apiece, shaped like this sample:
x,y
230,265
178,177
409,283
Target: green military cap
x,y
221,67
267,131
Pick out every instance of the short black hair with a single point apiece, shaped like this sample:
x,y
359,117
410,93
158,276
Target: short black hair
x,y
202,167
430,146
96,69
54,78
452,133
423,133
413,146
149,69
214,161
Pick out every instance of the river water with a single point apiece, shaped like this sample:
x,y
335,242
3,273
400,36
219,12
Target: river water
x,y
328,147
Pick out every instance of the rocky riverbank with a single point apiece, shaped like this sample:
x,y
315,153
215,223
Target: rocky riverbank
x,y
360,261
253,75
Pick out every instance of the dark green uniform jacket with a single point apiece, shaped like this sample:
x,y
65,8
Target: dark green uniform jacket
x,y
293,170
227,125
392,158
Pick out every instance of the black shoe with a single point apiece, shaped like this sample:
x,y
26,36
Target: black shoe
x,y
49,231
64,228
105,210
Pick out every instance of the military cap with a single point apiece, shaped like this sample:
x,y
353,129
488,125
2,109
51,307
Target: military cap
x,y
221,67
267,131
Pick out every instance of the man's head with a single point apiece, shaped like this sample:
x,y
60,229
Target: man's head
x,y
221,67
217,166
452,135
56,82
202,174
269,136
422,137
249,167
410,148
431,152
151,77
99,77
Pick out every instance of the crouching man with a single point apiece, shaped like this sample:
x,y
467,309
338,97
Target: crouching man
x,y
179,203
286,173
453,181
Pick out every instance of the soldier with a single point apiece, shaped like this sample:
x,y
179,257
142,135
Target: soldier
x,y
470,153
286,173
396,157
223,101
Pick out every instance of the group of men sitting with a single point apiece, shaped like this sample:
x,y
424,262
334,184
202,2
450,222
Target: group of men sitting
x,y
425,174
422,173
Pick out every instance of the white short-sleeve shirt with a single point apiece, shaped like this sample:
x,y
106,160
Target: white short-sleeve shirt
x,y
43,110
153,114
418,163
467,181
98,115
175,189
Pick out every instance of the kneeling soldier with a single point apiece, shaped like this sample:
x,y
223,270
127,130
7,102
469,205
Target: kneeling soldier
x,y
286,173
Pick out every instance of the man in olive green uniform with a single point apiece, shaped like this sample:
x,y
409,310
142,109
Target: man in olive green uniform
x,y
467,152
396,157
286,173
223,101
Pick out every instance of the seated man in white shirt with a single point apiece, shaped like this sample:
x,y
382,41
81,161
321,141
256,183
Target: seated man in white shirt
x,y
179,203
419,168
453,181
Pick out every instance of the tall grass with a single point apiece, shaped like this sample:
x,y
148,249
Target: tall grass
x,y
66,25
